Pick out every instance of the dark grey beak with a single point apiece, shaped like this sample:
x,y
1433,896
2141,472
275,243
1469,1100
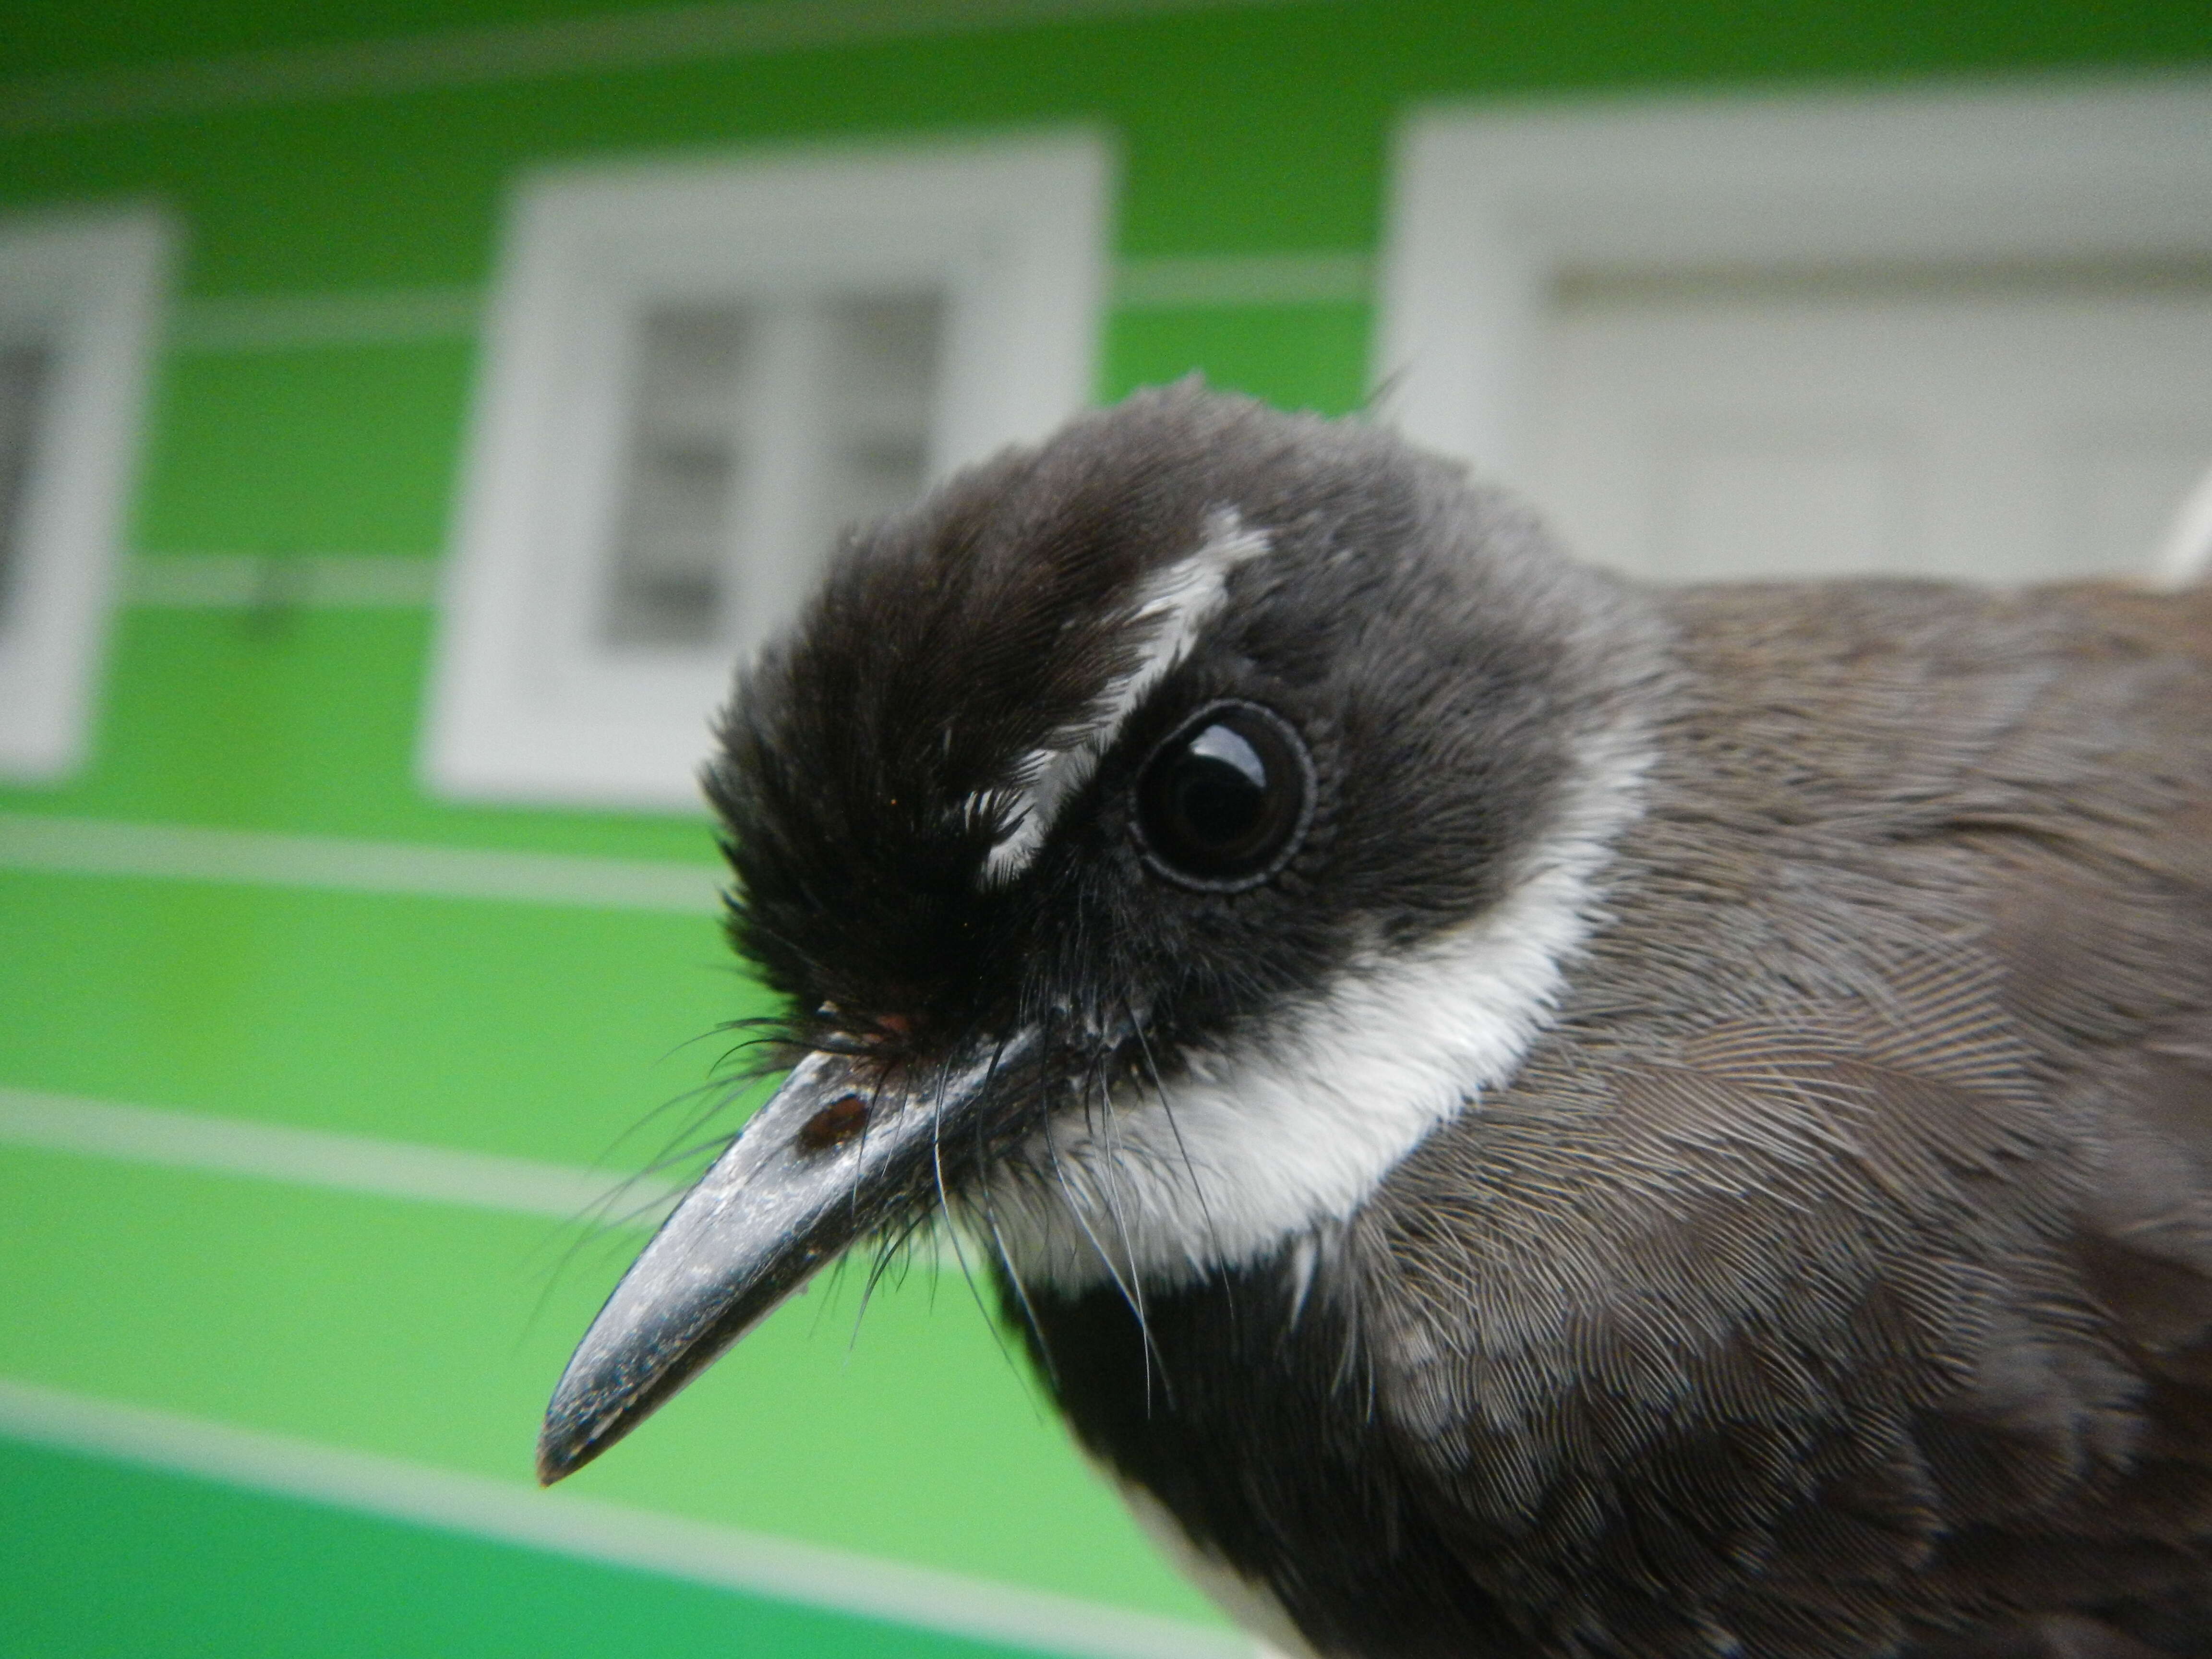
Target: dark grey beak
x,y
846,1146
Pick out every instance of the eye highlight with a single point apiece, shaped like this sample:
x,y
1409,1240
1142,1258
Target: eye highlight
x,y
1223,803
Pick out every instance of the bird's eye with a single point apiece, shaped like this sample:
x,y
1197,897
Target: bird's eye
x,y
1223,803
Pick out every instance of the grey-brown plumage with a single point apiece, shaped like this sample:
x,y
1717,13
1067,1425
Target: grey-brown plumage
x,y
1811,1256
1847,1247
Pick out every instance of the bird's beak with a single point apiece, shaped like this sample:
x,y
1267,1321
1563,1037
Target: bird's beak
x,y
846,1146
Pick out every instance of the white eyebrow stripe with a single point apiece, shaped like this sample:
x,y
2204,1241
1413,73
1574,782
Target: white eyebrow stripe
x,y
1173,607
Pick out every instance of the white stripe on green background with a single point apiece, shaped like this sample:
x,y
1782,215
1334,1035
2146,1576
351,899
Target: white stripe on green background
x,y
458,58
106,846
206,1144
296,322
318,1158
244,324
281,581
1181,283
722,1556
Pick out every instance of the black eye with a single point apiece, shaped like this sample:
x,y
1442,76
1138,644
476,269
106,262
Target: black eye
x,y
1223,804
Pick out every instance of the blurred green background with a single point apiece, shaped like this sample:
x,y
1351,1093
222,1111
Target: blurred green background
x,y
292,1411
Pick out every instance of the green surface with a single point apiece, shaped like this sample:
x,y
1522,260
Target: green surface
x,y
334,451
304,721
107,1560
1245,128
1303,356
60,36
431,1333
540,1031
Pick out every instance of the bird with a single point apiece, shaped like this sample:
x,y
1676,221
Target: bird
x,y
1516,1114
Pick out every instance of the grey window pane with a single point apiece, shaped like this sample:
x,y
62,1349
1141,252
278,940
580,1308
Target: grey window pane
x,y
25,371
882,382
759,432
673,534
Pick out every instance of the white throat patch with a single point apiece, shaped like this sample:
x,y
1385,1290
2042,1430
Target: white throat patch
x,y
1171,609
1289,1124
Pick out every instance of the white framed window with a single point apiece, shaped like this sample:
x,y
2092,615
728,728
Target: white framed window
x,y
79,320
1960,333
696,374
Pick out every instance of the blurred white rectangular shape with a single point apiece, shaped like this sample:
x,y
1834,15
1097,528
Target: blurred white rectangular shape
x,y
79,321
1726,500
1961,334
2000,437
698,375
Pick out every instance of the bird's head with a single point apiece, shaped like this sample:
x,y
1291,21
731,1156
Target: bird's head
x,y
1153,834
